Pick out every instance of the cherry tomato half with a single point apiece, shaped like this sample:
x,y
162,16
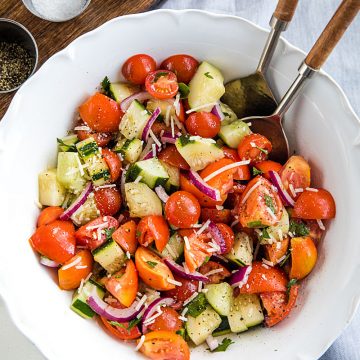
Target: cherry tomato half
x,y
268,165
101,138
243,171
182,209
121,332
203,124
125,236
254,147
218,277
197,252
136,68
183,292
108,200
171,156
113,162
49,215
161,84
101,113
215,215
184,66
168,321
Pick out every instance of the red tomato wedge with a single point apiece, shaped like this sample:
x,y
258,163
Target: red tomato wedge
x,y
121,332
125,236
263,279
254,147
161,84
101,113
259,204
153,228
113,162
268,165
171,156
49,215
123,285
274,252
197,252
303,257
215,278
165,345
243,171
278,305
88,234
152,270
215,215
183,292
184,66
167,321
55,240
75,269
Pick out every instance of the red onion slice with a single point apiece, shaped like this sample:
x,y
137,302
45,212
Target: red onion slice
x,y
111,313
149,124
149,312
240,277
167,137
180,271
217,236
147,153
216,110
161,193
77,203
139,96
285,196
47,262
196,180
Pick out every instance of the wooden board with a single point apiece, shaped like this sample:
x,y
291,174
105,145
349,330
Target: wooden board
x,y
52,37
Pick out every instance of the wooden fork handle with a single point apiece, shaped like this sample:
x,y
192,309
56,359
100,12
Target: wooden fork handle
x,y
285,9
332,33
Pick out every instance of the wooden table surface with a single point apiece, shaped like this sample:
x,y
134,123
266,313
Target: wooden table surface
x,y
52,37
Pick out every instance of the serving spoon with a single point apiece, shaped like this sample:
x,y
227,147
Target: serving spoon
x,y
252,95
271,126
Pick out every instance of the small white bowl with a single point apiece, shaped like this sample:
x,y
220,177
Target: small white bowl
x,y
30,6
321,126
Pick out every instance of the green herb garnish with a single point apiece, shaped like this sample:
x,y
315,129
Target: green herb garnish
x,y
105,87
115,323
265,234
133,323
256,171
224,345
108,232
269,203
152,263
262,150
291,283
298,228
197,306
184,90
207,74
285,259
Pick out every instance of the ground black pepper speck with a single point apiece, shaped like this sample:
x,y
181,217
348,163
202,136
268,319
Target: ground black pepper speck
x,y
16,65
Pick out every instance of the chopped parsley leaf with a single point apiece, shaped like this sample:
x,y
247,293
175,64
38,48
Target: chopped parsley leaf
x,y
207,74
298,228
133,323
256,171
265,234
152,263
269,203
109,232
224,345
115,323
105,87
291,283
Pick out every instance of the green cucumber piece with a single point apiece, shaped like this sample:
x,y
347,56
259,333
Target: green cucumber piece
x,y
224,327
68,171
110,256
129,149
229,114
133,122
250,309
272,233
151,171
51,191
141,200
79,300
206,86
198,152
219,297
120,91
173,183
174,248
86,212
241,253
233,133
201,327
197,306
67,143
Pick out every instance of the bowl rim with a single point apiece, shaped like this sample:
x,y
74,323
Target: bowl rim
x,y
67,52
22,27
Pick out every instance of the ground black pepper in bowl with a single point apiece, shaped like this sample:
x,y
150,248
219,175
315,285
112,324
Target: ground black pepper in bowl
x,y
16,65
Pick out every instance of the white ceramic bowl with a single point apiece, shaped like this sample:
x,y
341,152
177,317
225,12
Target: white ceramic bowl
x,y
321,125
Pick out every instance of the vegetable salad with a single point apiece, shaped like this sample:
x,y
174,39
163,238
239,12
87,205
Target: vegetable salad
x,y
167,217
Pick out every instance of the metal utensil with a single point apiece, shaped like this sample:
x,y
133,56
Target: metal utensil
x,y
271,126
252,95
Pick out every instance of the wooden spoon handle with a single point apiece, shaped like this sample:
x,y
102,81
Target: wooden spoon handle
x,y
332,33
285,9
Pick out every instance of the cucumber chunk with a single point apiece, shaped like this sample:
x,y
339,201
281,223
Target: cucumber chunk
x,y
207,86
249,307
129,149
219,297
233,133
141,200
152,104
121,91
151,171
271,234
229,114
173,183
201,327
224,327
51,191
174,248
133,122
68,172
67,143
241,253
79,301
110,256
198,152
86,212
